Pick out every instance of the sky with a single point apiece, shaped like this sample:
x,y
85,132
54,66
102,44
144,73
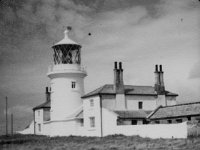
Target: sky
x,y
139,33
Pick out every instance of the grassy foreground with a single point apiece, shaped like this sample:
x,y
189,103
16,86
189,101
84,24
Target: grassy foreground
x,y
115,142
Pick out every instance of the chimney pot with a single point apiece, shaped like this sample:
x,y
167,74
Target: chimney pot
x,y
47,89
115,65
156,68
120,65
160,68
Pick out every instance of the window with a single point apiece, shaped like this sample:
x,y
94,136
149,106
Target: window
x,y
189,118
92,122
178,120
140,105
39,127
169,121
38,113
91,103
134,122
157,122
73,85
81,122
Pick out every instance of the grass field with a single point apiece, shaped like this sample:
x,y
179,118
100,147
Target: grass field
x,y
115,142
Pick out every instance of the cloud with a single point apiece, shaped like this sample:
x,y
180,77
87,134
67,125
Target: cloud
x,y
140,40
19,111
195,71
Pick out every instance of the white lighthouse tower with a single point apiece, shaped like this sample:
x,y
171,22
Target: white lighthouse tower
x,y
67,83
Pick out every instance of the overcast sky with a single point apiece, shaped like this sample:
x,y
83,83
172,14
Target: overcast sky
x,y
140,33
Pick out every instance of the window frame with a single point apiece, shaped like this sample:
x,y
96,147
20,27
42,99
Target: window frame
x,y
140,105
179,120
134,122
92,122
39,127
73,84
91,102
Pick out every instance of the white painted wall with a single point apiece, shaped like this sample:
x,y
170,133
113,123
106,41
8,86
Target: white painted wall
x,y
149,102
64,98
46,128
29,130
38,120
62,127
93,111
108,103
150,130
109,120
171,100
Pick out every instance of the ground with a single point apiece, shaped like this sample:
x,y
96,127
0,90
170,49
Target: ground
x,y
115,142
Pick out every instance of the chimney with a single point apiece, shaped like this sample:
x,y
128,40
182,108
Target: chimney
x,y
159,80
119,87
118,79
159,86
47,94
162,86
115,77
156,85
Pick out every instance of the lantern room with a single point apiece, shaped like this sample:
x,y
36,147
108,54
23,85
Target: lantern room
x,y
67,51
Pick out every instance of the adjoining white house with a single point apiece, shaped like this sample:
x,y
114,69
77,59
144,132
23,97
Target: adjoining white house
x,y
110,109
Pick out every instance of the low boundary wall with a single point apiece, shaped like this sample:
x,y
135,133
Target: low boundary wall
x,y
151,130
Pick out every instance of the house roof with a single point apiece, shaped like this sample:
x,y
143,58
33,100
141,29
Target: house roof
x,y
132,114
43,105
187,109
129,90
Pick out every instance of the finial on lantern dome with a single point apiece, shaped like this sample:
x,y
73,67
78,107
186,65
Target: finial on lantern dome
x,y
69,28
66,39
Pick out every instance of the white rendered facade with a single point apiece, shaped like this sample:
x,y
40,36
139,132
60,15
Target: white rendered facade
x,y
73,114
66,97
67,86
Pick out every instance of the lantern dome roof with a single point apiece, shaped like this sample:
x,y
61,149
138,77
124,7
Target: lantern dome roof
x,y
66,40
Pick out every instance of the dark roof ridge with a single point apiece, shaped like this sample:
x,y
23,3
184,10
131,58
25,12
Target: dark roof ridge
x,y
154,111
98,91
42,105
138,85
181,104
102,87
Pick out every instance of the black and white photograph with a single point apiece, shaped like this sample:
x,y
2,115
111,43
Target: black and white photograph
x,y
99,74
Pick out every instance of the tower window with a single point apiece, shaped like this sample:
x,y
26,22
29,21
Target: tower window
x,y
91,103
73,85
39,127
92,122
140,105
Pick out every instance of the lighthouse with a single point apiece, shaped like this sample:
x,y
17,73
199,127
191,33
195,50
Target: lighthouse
x,y
66,79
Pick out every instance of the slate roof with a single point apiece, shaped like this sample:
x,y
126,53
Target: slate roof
x,y
43,105
187,109
129,90
138,114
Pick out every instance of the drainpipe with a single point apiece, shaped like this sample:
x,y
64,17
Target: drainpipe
x,y
101,116
34,120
